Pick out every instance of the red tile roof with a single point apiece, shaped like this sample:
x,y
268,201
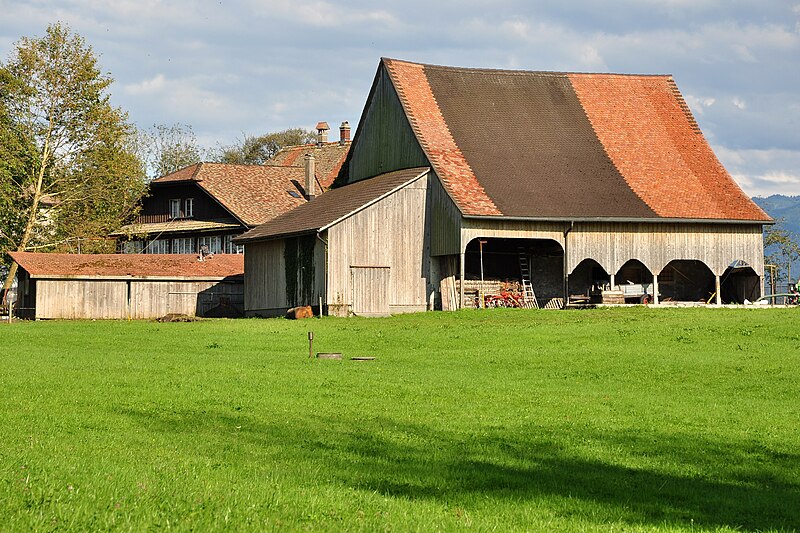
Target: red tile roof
x,y
328,159
548,144
651,136
174,266
252,193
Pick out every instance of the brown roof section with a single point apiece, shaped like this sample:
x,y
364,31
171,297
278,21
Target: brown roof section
x,y
545,144
651,136
328,159
436,140
331,206
41,265
252,193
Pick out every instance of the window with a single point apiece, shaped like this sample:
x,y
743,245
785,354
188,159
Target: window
x,y
132,247
214,244
158,246
231,248
175,208
188,207
184,245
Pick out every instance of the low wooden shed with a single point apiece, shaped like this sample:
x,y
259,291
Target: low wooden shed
x,y
120,286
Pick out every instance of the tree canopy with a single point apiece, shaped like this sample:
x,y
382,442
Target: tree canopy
x,y
69,174
256,150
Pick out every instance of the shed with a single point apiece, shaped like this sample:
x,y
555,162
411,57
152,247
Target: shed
x,y
564,182
119,286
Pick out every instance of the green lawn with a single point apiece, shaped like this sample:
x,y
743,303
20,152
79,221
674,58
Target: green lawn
x,y
628,419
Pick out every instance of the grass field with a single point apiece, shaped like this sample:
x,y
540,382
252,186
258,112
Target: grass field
x,y
625,420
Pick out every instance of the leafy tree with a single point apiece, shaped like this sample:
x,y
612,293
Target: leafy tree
x,y
257,150
72,176
167,148
781,249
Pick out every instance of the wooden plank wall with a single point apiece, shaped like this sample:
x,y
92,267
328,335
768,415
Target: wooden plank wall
x,y
445,220
265,277
75,299
391,233
655,245
385,140
108,299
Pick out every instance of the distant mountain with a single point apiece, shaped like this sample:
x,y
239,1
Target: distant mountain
x,y
784,209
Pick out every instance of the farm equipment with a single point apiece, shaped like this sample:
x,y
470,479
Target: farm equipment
x,y
637,292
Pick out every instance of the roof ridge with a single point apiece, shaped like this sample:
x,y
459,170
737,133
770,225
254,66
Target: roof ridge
x,y
522,72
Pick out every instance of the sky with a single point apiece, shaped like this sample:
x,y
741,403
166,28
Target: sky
x,y
248,67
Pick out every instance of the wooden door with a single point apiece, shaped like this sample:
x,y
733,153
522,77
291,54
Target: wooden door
x,y
370,290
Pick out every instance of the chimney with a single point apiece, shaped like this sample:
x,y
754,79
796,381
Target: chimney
x,y
344,133
322,132
311,179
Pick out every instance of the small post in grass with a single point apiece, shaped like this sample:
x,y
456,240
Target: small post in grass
x,y
310,344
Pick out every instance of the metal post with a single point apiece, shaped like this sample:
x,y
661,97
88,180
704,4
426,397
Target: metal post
x,y
481,302
461,288
310,344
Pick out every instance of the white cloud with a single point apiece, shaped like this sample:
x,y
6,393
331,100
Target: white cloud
x,y
699,104
738,102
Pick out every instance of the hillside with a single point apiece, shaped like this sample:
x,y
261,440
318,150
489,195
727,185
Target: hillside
x,y
784,209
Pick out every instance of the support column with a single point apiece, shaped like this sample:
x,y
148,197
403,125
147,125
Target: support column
x,y
612,281
461,284
655,288
718,287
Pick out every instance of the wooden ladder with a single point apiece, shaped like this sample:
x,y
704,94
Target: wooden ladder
x,y
528,296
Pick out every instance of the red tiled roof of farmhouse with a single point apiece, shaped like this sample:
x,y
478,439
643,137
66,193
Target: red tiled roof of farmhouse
x,y
328,159
550,144
252,193
129,265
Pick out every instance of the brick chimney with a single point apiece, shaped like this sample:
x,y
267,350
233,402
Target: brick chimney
x,y
344,132
311,180
322,132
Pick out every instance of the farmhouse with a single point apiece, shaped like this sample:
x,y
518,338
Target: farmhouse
x,y
206,204
560,183
103,286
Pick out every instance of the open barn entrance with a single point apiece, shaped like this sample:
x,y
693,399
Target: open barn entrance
x,y
686,281
632,284
500,263
587,279
738,283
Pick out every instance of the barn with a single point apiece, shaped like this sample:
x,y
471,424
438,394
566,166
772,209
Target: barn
x,y
127,286
460,182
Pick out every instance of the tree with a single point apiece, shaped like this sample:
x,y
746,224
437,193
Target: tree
x,y
73,177
257,150
781,250
167,148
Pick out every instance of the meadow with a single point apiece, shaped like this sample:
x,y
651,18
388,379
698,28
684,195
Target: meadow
x,y
633,419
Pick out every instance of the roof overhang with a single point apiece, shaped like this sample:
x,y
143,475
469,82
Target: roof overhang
x,y
629,220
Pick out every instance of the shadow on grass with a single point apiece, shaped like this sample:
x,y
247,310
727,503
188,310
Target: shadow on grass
x,y
687,478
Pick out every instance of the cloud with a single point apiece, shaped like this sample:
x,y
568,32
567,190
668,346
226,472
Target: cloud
x,y
763,172
739,103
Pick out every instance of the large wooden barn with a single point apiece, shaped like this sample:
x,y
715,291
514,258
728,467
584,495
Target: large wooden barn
x,y
573,181
127,286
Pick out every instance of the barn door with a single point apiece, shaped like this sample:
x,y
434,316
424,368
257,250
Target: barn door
x,y
370,290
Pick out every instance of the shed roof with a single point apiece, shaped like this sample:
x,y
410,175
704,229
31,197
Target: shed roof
x,y
110,266
551,144
328,159
334,205
252,193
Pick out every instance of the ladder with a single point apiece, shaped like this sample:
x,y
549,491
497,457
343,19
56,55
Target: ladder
x,y
528,297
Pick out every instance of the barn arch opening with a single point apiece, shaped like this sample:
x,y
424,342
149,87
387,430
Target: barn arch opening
x,y
588,277
498,261
686,280
739,282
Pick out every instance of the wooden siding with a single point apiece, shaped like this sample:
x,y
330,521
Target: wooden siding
x,y
108,299
385,140
370,290
265,278
482,228
393,233
655,245
75,299
445,220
